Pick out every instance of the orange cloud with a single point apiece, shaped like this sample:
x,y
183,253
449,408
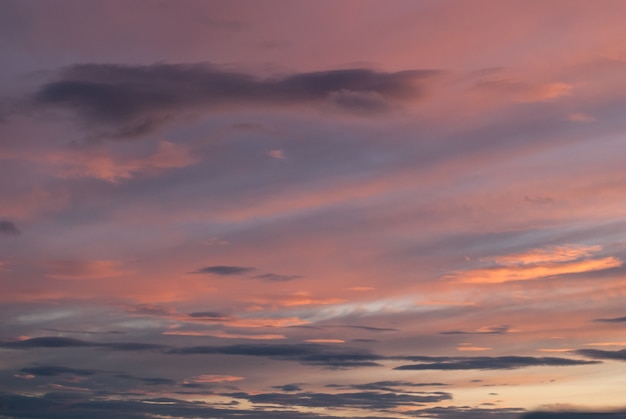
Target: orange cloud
x,y
471,347
538,263
548,254
535,271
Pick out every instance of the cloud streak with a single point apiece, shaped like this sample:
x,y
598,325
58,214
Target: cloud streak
x,y
491,363
131,101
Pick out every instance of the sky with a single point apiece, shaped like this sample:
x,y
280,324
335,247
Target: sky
x,y
312,209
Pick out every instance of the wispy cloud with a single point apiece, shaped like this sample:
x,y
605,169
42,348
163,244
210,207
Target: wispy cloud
x,y
538,263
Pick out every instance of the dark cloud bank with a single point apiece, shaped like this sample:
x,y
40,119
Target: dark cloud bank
x,y
321,355
130,101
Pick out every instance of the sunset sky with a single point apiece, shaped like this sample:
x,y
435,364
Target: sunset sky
x,y
312,209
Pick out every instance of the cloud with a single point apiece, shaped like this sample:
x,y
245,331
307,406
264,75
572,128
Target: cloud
x,y
131,101
224,270
102,164
212,378
392,386
490,363
62,342
524,92
580,117
213,315
8,228
576,415
611,320
538,263
489,330
51,406
277,277
53,371
466,412
288,387
76,269
46,342
600,354
148,381
356,400
368,328
310,353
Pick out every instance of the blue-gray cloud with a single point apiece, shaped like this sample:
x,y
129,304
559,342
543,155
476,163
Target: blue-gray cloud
x,y
358,400
489,363
601,354
131,101
8,228
225,270
611,320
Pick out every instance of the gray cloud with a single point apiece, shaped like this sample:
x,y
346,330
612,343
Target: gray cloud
x,y
62,342
326,356
391,386
130,101
208,315
611,320
600,354
8,228
224,270
53,371
288,387
368,328
277,277
358,400
466,412
76,406
575,415
310,354
494,330
149,381
85,332
489,363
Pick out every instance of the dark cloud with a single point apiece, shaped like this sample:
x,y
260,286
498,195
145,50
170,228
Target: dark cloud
x,y
310,354
150,381
61,342
600,354
208,315
46,342
489,363
73,406
224,270
466,412
86,332
392,386
53,371
368,328
611,320
8,228
357,400
277,277
575,415
288,387
130,101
